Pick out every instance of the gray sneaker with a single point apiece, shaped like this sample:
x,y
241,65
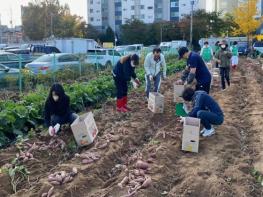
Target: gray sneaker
x,y
209,132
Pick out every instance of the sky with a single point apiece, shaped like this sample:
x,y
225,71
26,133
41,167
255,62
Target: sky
x,y
7,7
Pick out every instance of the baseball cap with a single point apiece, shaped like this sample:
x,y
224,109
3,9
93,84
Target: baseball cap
x,y
135,58
182,51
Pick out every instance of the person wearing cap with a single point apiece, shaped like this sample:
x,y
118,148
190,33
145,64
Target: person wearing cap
x,y
195,69
206,53
123,72
205,108
153,64
223,57
234,59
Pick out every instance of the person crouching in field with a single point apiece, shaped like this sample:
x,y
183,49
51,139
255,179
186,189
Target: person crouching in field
x,y
205,108
122,73
57,109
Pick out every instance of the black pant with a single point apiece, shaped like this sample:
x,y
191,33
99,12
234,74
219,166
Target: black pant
x,y
122,87
225,72
204,87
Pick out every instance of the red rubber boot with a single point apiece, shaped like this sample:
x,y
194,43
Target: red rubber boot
x,y
125,101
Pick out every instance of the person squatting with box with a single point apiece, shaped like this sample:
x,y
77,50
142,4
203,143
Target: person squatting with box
x,y
205,108
122,73
57,109
195,69
153,63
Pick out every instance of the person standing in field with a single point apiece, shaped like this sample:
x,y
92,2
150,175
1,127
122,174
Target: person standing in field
x,y
123,72
153,64
234,59
195,69
216,49
223,58
207,53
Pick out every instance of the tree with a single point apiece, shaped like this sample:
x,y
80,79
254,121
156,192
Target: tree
x,y
44,18
92,32
244,17
109,36
135,31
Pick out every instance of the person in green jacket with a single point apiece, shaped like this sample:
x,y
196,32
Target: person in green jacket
x,y
223,57
234,60
206,53
216,49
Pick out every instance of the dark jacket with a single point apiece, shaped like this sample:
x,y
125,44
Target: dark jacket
x,y
60,108
123,69
202,101
224,56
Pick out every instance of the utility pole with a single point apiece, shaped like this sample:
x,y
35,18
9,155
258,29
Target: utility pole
x,y
161,33
191,23
51,22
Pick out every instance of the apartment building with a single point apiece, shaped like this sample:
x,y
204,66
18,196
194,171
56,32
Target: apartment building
x,y
113,13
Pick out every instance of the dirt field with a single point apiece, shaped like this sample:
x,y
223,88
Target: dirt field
x,y
222,167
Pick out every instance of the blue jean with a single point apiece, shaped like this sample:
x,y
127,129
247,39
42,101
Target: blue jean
x,y
157,83
68,118
207,118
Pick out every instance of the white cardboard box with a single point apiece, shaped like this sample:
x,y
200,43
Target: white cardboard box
x,y
191,132
84,129
156,102
178,92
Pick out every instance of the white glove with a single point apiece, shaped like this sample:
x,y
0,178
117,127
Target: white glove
x,y
51,131
182,119
185,108
56,128
135,85
151,77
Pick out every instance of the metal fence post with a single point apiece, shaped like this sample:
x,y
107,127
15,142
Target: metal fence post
x,y
20,73
96,59
53,67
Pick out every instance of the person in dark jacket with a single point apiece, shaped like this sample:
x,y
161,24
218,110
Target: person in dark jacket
x,y
195,69
205,108
123,72
57,109
223,57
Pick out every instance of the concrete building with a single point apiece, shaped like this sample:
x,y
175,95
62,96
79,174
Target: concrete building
x,y
113,13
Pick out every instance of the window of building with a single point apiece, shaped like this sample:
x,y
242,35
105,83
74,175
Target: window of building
x,y
150,17
133,16
175,4
159,5
142,16
159,15
150,8
142,7
98,20
91,1
132,7
118,8
91,10
118,17
174,14
91,19
98,11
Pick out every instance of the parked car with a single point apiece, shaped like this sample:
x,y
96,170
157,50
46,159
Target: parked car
x,y
103,57
135,48
52,62
43,49
121,49
242,48
11,60
25,53
258,46
5,73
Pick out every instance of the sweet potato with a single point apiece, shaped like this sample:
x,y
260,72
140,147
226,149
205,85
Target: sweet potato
x,y
50,191
142,165
147,182
140,179
52,178
44,195
87,161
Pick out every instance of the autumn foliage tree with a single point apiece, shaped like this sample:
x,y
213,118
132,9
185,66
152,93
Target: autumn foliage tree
x,y
245,18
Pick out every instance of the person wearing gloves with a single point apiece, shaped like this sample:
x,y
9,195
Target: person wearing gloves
x,y
153,64
205,108
57,110
195,69
123,72
234,59
223,58
206,53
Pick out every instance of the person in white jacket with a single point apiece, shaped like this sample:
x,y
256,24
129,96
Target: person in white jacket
x,y
153,64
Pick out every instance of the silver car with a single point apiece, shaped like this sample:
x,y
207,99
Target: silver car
x,y
52,63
